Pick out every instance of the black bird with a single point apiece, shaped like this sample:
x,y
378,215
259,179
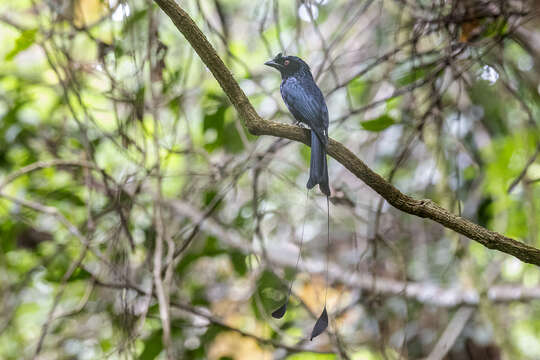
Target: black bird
x,y
305,101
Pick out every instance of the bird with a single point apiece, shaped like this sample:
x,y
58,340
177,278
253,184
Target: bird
x,y
306,103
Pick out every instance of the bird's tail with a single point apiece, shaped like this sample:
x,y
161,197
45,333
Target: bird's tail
x,y
318,168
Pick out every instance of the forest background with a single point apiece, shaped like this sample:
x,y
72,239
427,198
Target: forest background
x,y
152,197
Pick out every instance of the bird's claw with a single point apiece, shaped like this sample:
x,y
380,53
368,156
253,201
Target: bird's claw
x,y
299,124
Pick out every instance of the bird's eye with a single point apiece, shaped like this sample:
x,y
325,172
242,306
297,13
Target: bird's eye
x,y
286,62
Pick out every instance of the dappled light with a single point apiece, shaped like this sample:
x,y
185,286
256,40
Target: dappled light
x,y
153,175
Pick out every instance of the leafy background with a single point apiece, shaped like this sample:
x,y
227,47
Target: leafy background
x,y
134,143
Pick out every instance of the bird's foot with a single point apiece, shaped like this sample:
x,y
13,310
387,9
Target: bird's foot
x,y
300,124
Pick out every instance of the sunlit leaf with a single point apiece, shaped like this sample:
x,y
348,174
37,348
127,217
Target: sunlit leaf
x,y
23,42
378,124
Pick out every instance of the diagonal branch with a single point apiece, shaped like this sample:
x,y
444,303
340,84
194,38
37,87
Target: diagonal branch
x,y
256,125
451,333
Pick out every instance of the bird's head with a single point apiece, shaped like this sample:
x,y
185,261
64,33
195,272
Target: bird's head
x,y
288,65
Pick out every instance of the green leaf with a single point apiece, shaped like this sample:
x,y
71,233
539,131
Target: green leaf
x,y
152,346
23,42
233,142
378,124
133,19
219,125
270,292
80,274
211,248
360,91
57,268
412,76
215,121
61,195
209,195
199,295
495,28
412,71
105,345
239,262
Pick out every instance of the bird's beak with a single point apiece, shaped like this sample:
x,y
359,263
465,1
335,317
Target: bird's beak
x,y
273,64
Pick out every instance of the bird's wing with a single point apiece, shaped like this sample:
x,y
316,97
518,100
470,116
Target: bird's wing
x,y
306,103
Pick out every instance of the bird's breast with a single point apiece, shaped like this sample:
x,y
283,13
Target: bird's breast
x,y
287,85
289,81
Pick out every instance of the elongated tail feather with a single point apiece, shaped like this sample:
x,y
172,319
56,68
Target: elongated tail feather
x,y
320,325
279,312
318,168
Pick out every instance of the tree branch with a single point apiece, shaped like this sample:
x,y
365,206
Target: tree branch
x,y
258,126
451,333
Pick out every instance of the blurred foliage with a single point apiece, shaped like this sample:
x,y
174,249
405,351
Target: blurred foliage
x,y
442,99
